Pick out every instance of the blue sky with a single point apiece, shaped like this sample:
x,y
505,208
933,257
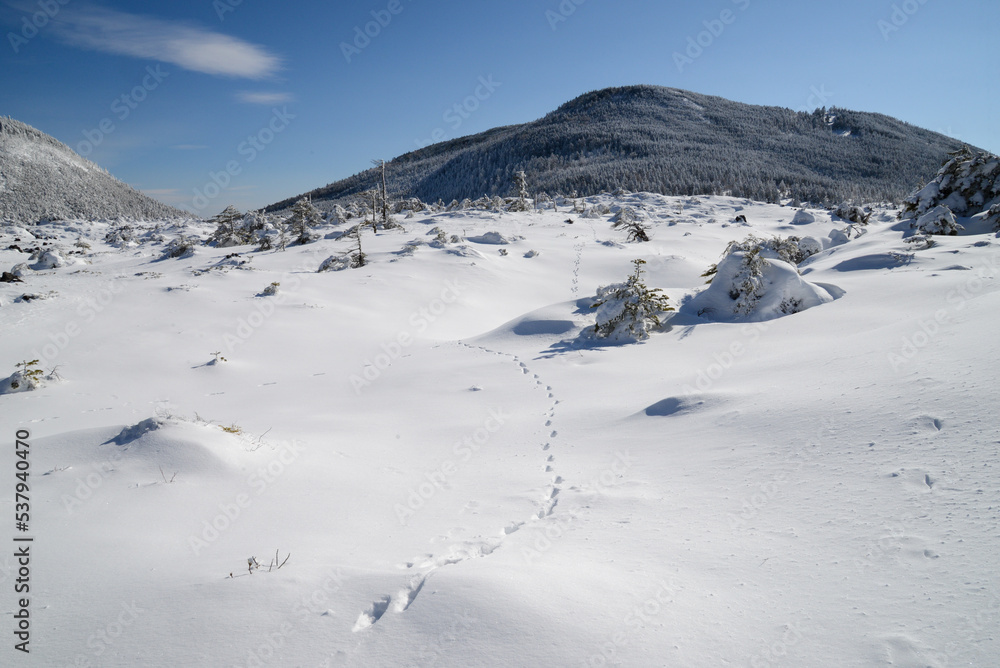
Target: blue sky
x,y
207,103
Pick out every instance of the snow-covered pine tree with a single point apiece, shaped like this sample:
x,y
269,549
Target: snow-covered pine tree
x,y
226,228
304,217
521,185
630,220
968,183
629,310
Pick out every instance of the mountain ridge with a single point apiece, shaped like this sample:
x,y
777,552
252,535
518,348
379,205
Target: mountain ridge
x,y
672,142
43,179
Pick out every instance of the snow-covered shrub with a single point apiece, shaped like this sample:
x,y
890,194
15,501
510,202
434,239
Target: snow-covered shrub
x,y
27,377
492,237
180,247
810,246
335,263
43,259
852,213
631,221
412,204
629,311
968,183
939,220
121,236
921,242
271,290
993,216
20,270
440,237
757,279
755,285
793,250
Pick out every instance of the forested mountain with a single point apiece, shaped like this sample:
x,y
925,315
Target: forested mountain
x,y
42,178
664,140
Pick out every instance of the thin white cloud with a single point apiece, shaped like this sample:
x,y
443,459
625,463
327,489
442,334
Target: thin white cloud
x,y
264,98
185,45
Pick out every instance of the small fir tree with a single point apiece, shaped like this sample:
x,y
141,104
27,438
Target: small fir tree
x,y
304,217
226,227
629,310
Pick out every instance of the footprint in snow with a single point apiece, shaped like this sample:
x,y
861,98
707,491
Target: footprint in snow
x,y
374,613
405,597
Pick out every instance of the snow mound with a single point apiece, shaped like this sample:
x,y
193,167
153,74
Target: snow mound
x,y
737,295
49,259
179,446
492,238
803,217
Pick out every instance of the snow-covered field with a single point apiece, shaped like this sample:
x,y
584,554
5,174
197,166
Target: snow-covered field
x,y
462,477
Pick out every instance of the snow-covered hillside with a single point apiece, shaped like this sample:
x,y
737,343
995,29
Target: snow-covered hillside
x,y
460,473
43,179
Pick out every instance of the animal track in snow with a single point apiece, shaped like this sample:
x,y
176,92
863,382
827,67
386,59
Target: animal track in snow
x,y
407,594
465,550
372,614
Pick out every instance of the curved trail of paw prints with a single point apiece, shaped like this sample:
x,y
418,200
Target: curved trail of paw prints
x,y
576,268
429,563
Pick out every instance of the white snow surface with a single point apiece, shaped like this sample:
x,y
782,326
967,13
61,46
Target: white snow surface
x,y
461,479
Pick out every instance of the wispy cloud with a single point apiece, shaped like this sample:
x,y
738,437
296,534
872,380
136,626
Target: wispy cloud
x,y
186,45
264,98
